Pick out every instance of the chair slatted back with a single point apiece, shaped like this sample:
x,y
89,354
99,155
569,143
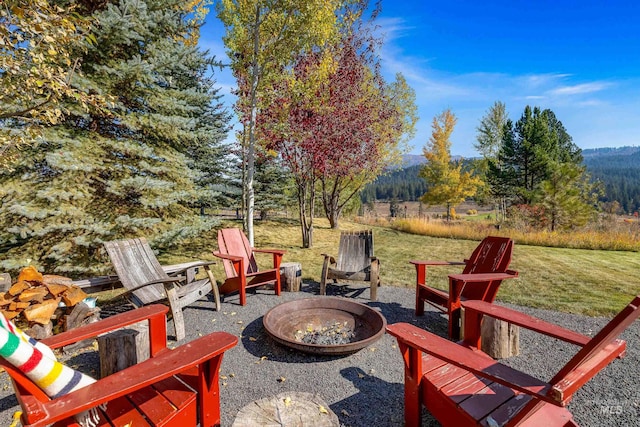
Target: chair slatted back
x,y
493,255
355,251
232,241
135,264
592,357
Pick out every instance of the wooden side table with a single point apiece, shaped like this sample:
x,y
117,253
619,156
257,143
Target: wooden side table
x,y
291,276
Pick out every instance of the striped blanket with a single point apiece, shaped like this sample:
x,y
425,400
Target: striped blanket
x,y
39,364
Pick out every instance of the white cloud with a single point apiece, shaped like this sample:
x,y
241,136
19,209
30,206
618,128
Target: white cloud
x,y
581,88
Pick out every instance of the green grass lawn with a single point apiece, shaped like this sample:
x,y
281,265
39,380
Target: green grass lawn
x,y
591,282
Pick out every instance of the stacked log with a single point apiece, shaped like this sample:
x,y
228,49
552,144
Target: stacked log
x,y
40,301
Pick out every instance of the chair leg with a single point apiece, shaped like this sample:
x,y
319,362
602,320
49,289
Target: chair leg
x,y
176,310
214,287
243,294
323,277
419,302
375,280
209,392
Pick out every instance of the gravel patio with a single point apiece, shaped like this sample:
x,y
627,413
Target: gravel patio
x,y
366,388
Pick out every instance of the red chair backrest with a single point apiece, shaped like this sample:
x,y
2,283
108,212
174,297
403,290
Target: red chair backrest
x,y
232,241
493,255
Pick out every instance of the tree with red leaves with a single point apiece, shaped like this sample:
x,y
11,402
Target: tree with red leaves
x,y
337,133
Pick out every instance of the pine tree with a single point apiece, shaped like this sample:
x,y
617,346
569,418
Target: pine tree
x,y
132,170
530,148
568,197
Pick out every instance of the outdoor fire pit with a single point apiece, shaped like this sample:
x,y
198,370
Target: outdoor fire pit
x,y
324,325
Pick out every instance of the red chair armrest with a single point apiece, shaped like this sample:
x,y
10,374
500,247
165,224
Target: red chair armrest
x,y
524,320
270,251
417,262
232,258
470,360
156,314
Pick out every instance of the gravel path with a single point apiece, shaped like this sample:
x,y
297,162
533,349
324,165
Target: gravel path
x,y
366,388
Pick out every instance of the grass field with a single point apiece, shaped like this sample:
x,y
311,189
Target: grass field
x,y
592,282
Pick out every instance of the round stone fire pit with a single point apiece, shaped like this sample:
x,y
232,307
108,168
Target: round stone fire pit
x,y
324,325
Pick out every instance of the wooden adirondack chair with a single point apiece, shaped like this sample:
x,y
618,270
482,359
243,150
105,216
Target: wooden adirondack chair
x,y
461,386
240,264
355,262
483,273
178,387
147,282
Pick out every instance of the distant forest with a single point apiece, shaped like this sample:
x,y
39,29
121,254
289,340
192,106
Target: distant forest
x,y
617,168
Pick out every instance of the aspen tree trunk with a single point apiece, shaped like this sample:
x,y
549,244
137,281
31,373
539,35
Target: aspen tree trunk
x,y
252,129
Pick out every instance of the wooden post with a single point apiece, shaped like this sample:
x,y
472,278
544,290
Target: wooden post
x,y
291,276
500,339
123,348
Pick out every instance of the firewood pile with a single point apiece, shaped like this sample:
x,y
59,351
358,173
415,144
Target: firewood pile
x,y
43,304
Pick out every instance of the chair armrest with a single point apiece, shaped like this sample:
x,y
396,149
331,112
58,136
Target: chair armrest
x,y
270,251
470,360
329,258
483,277
524,320
416,262
136,377
154,313
179,268
232,258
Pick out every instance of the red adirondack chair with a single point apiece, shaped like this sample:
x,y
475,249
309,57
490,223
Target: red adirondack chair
x,y
177,387
240,264
483,273
460,385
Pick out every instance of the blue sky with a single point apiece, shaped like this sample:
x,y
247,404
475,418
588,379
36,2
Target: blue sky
x,y
580,59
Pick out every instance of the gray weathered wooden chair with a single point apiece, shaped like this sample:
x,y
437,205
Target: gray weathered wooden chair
x,y
147,282
356,262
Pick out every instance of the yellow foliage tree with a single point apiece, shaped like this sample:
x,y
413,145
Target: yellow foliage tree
x,y
40,48
447,183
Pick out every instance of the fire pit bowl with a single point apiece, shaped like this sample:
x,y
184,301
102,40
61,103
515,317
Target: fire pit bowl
x,y
287,322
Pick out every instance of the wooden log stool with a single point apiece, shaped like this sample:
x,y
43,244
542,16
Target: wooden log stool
x,y
287,409
291,276
499,339
123,348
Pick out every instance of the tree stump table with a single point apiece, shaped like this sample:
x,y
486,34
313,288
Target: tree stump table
x,y
123,348
292,409
499,338
291,276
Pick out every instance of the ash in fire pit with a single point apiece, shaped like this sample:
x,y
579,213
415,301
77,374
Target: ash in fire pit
x,y
332,334
324,325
